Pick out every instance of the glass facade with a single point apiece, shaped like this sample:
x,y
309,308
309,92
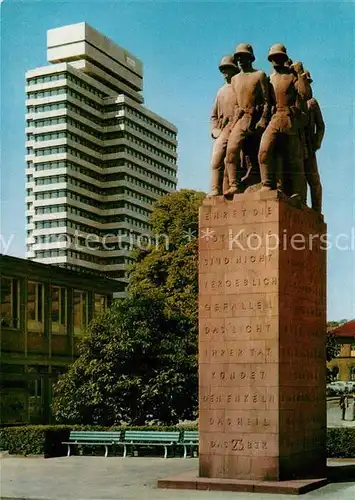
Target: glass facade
x,y
9,306
59,309
38,308
80,311
35,302
100,304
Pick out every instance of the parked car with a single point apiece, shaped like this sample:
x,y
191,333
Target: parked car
x,y
350,385
335,388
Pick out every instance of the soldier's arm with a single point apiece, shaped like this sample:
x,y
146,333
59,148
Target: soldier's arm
x,y
265,100
301,81
320,125
272,97
214,114
237,109
304,88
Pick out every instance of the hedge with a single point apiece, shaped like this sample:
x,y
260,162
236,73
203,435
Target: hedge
x,y
341,442
47,440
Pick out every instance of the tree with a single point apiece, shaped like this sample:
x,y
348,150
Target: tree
x,y
139,361
332,347
136,365
169,270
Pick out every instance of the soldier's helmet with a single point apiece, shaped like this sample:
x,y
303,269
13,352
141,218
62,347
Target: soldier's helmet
x,y
244,48
277,49
308,76
227,61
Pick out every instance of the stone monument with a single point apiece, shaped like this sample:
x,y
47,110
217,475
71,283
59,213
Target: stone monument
x,y
262,296
262,270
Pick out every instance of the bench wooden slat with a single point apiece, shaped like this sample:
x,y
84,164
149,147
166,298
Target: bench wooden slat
x,y
88,433
150,438
190,436
153,436
148,443
154,433
93,438
90,442
190,439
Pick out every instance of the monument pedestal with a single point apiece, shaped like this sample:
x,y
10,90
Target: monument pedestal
x,y
262,303
262,330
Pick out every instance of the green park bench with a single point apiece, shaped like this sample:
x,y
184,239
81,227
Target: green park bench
x,y
189,440
150,438
93,438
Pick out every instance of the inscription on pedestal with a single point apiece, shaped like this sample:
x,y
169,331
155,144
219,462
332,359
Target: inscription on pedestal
x,y
261,336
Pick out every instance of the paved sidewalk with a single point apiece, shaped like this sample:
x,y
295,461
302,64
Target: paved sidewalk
x,y
334,417
116,478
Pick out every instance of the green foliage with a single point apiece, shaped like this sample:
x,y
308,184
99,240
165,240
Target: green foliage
x,y
34,439
176,216
47,439
170,271
332,347
136,365
331,325
341,442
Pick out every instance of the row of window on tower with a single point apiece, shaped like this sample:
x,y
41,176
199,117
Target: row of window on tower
x,y
111,205
65,92
101,107
86,257
130,166
64,134
48,122
117,162
66,76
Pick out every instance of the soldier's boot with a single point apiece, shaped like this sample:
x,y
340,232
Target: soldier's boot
x,y
316,197
235,185
268,177
266,159
217,181
267,188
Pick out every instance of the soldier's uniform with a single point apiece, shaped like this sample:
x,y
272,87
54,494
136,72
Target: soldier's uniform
x,y
314,133
243,136
282,133
221,118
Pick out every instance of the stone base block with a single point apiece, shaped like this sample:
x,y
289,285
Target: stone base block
x,y
262,332
190,481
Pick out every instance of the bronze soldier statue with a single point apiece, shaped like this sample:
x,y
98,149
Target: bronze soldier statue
x,y
288,86
221,119
314,134
251,115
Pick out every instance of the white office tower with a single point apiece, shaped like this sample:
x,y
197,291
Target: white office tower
x,y
97,159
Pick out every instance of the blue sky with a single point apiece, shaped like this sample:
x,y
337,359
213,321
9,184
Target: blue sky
x,y
180,44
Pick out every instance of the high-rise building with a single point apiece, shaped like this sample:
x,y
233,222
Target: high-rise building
x,y
97,159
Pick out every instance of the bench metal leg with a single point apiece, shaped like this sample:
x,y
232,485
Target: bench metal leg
x,y
166,451
68,454
185,451
124,451
106,451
